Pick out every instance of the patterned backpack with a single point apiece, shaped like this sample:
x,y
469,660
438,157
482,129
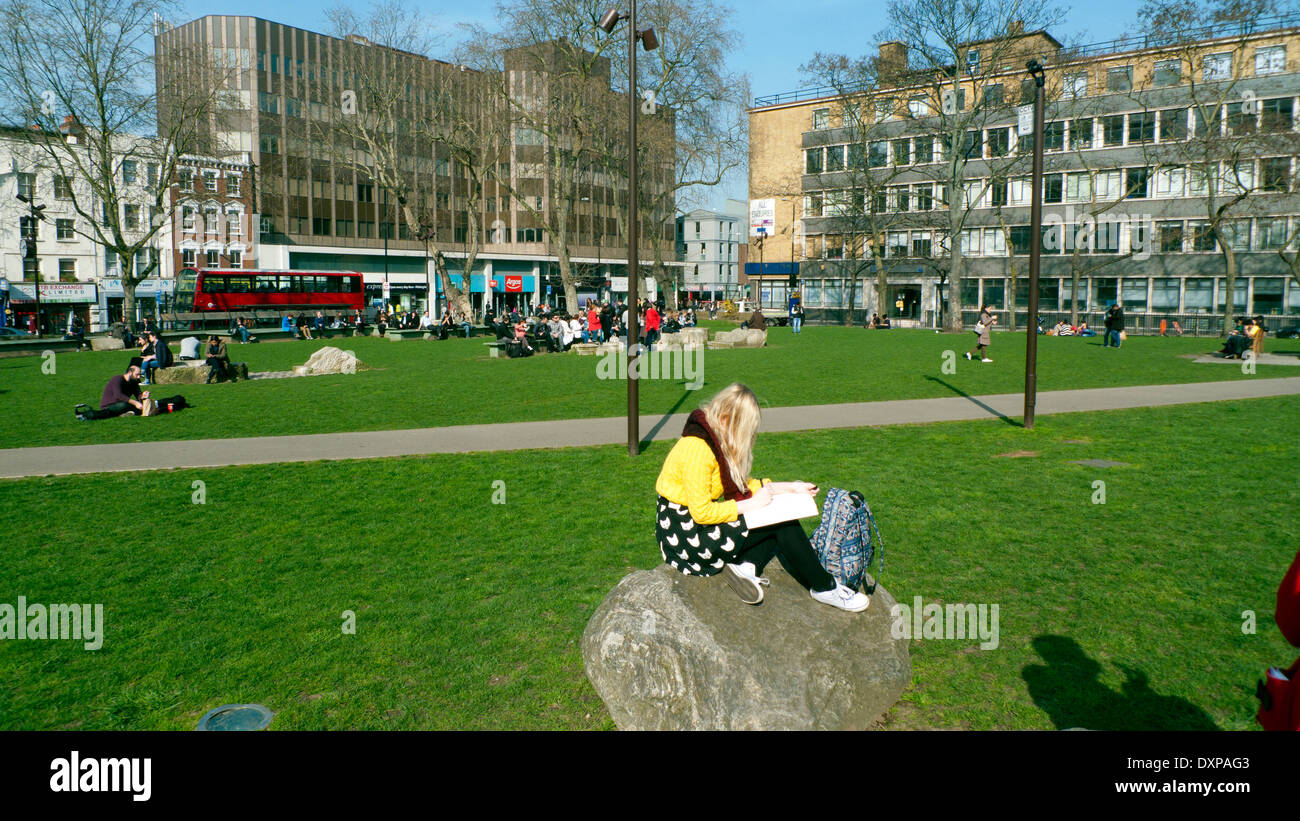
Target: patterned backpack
x,y
843,539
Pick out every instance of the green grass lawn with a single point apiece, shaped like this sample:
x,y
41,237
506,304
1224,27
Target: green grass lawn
x,y
416,384
469,614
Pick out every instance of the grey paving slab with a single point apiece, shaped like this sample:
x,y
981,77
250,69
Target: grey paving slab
x,y
140,456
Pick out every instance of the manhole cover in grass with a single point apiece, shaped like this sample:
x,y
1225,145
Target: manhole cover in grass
x,y
1100,463
236,717
1016,454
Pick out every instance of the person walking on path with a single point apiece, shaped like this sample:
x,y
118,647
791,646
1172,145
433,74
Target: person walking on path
x,y
701,534
1114,326
987,320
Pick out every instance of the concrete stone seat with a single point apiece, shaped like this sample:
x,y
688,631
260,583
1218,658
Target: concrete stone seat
x,y
194,372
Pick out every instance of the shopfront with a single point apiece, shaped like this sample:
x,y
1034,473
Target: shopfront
x,y
60,301
153,298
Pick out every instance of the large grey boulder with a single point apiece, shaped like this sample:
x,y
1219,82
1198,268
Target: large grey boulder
x,y
330,360
195,372
672,652
106,343
743,337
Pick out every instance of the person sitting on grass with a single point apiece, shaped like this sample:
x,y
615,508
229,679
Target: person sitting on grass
x,y
874,323
704,490
121,396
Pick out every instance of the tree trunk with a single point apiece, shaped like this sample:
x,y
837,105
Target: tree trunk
x,y
1229,278
129,283
1075,276
882,282
952,322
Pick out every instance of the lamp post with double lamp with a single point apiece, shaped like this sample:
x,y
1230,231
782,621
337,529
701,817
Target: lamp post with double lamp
x,y
649,42
1035,245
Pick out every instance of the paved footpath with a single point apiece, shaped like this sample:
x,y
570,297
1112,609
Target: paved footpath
x,y
21,462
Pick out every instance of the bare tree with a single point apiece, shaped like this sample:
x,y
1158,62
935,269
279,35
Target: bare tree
x,y
1227,131
956,56
426,132
80,81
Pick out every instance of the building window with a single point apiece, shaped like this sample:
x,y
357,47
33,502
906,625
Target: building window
x,y
129,172
1167,73
1081,134
884,109
130,217
1271,60
1164,294
1275,173
993,95
151,174
918,107
924,196
1142,127
210,220
1268,296
1173,124
1135,294
1053,188
999,141
1203,237
1170,237
877,154
1112,130
1169,182
213,259
186,176
1198,293
1119,79
1136,183
232,185
835,158
1020,235
973,61
1076,85
1054,136
187,257
234,220
1241,119
923,150
1217,66
67,270
1105,291
813,161
1078,187
1272,233
27,186
62,188
236,259
187,218
63,229
821,119
1275,114
210,182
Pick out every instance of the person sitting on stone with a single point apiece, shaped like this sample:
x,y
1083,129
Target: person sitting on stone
x,y
704,491
159,356
121,396
218,361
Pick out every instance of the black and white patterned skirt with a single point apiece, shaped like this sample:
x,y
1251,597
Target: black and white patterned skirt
x,y
693,548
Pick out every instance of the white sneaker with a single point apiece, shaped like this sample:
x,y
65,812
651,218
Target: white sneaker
x,y
743,578
986,359
968,355
844,598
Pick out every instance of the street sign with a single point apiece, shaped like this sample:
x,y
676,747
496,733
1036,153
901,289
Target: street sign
x,y
1025,121
762,216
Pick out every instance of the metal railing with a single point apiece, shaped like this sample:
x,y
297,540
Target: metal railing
x,y
1147,324
1119,44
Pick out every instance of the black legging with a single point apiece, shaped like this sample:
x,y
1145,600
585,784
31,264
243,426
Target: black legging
x,y
789,544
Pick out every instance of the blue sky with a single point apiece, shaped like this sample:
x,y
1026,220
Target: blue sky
x,y
778,35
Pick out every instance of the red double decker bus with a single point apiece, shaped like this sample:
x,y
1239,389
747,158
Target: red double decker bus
x,y
239,289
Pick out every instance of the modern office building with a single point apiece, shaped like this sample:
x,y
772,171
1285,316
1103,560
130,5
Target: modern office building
x,y
1121,185
318,213
708,245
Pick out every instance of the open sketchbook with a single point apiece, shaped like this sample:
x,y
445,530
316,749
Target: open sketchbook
x,y
784,507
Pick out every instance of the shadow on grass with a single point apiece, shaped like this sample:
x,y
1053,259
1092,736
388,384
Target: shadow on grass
x,y
983,406
1067,689
648,437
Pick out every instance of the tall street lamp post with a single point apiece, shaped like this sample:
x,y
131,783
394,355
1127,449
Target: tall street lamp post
x,y
649,42
1035,246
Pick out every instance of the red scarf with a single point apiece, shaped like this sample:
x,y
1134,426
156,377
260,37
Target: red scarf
x,y
698,425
